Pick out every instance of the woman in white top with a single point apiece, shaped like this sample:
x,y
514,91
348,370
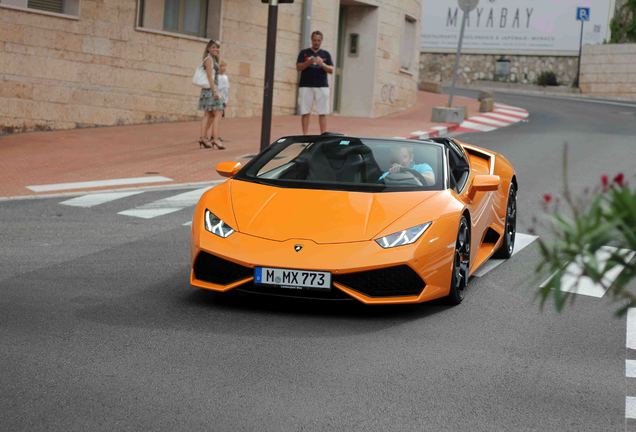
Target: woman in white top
x,y
210,100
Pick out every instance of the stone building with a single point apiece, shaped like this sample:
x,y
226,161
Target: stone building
x,y
82,63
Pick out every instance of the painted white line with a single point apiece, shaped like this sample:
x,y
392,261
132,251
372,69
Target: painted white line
x,y
630,368
442,130
630,336
148,213
98,183
496,115
511,112
166,205
510,107
484,119
521,242
476,126
94,199
188,223
630,407
573,282
420,134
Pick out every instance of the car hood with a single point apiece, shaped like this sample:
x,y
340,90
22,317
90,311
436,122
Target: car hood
x,y
322,216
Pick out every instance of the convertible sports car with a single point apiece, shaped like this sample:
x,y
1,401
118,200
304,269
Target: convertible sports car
x,y
372,219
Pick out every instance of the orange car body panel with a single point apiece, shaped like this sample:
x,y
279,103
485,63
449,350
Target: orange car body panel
x,y
337,229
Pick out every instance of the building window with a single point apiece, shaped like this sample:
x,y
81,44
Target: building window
x,y
407,50
67,7
200,18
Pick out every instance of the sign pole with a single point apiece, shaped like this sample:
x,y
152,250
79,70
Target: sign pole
x,y
578,65
268,90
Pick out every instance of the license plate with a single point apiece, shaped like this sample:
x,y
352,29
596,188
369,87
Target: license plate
x,y
294,279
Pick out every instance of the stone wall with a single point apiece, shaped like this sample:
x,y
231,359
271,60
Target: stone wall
x,y
609,70
437,67
96,67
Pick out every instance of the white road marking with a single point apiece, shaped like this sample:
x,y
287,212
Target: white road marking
x,y
522,114
521,242
476,126
630,407
630,368
166,205
188,223
573,282
514,108
98,183
149,213
94,199
630,336
420,134
441,130
502,117
484,119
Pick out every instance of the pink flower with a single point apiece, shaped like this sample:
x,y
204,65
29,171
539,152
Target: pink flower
x,y
604,182
618,179
547,198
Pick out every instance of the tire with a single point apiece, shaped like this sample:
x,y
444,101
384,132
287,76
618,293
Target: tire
x,y
508,245
461,263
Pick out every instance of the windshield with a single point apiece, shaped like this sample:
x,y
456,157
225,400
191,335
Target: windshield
x,y
346,163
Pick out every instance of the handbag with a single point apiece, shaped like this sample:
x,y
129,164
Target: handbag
x,y
200,78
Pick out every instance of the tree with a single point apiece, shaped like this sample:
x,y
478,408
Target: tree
x,y
623,25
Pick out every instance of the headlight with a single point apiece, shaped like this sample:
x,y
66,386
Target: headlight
x,y
404,237
216,225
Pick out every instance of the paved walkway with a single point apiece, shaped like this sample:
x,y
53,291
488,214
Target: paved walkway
x,y
170,149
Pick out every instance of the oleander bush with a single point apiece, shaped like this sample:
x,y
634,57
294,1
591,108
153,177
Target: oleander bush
x,y
581,227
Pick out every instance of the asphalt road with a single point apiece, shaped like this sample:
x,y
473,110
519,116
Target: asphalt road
x,y
100,330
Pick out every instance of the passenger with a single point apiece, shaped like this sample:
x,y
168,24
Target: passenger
x,y
404,160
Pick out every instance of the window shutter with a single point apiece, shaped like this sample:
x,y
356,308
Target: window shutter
x,y
47,5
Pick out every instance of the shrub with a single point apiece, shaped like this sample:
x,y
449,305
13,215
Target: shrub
x,y
547,78
582,230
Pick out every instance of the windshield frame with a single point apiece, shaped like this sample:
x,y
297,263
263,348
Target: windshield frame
x,y
265,156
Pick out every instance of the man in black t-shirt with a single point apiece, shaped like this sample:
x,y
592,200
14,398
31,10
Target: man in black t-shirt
x,y
314,64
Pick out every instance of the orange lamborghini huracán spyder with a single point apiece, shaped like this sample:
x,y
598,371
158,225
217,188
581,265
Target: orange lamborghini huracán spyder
x,y
339,217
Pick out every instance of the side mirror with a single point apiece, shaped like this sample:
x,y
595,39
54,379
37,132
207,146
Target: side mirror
x,y
228,169
485,183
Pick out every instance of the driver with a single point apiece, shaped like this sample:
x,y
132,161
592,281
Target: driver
x,y
404,160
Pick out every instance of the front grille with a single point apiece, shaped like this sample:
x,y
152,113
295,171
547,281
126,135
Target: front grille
x,y
332,294
386,282
213,269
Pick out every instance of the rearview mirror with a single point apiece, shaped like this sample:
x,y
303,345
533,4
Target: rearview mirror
x,y
486,183
228,169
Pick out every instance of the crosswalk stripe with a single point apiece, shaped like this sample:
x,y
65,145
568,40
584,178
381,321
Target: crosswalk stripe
x,y
630,368
521,242
91,200
149,213
477,126
98,183
573,282
630,407
166,205
630,336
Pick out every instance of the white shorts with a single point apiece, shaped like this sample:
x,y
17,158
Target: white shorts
x,y
308,96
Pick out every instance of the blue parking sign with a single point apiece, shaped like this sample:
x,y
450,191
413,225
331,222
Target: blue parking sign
x,y
582,13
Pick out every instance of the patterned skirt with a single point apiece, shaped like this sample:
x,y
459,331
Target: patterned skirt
x,y
208,103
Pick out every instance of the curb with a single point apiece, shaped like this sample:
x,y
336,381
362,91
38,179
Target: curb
x,y
502,116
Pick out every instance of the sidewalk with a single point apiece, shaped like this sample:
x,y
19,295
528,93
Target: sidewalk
x,y
170,149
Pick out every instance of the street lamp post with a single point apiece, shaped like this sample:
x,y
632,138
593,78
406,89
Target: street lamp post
x,y
268,88
270,59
